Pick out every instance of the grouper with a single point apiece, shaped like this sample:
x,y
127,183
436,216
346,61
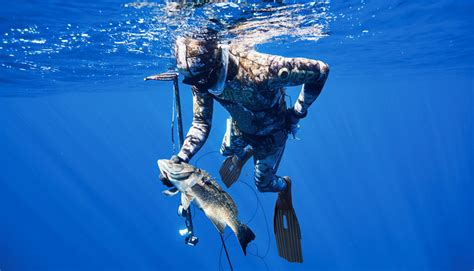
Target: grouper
x,y
197,186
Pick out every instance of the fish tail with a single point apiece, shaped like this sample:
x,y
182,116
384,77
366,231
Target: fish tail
x,y
245,236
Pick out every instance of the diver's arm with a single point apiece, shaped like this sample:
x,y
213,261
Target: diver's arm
x,y
309,93
201,126
296,71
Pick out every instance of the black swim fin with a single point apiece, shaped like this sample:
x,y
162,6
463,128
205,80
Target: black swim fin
x,y
232,166
286,227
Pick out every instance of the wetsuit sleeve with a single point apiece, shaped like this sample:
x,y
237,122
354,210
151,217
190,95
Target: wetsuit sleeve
x,y
201,125
296,71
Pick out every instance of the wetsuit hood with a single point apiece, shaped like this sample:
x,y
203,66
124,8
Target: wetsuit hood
x,y
200,61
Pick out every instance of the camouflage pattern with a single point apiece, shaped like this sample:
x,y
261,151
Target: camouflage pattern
x,y
203,105
254,95
268,151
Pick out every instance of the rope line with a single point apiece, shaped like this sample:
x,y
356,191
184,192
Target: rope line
x,y
226,252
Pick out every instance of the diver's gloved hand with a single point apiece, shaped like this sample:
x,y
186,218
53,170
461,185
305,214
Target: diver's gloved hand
x,y
176,159
292,120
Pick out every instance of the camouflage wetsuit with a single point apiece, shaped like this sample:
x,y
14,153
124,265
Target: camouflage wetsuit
x,y
254,95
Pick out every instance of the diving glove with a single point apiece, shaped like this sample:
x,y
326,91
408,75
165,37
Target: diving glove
x,y
176,159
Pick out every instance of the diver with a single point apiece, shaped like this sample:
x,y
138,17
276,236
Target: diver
x,y
251,87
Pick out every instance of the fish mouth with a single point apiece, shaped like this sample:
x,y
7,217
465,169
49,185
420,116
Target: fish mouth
x,y
165,175
175,172
164,166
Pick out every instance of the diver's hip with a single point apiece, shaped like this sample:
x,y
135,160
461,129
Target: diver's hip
x,y
260,132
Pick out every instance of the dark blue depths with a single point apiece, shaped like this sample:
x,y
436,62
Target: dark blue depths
x,y
382,174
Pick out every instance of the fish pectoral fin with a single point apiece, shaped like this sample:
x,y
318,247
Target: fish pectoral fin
x,y
186,200
220,225
170,192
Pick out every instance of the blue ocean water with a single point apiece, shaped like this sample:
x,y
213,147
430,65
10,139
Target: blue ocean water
x,y
382,174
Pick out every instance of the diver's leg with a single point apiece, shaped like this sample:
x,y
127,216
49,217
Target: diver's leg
x,y
234,147
233,143
287,231
267,156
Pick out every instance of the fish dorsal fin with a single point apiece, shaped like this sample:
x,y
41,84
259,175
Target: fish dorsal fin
x,y
186,200
220,225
